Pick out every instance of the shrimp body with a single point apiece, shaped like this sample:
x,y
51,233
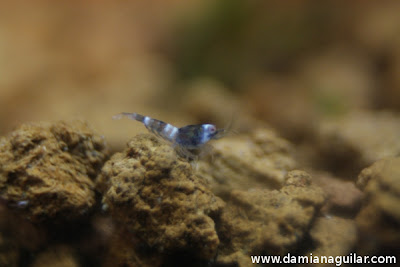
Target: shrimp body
x,y
189,137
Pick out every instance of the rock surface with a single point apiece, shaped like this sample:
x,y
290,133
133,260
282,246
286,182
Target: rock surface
x,y
379,218
260,159
47,170
265,222
156,196
333,236
343,197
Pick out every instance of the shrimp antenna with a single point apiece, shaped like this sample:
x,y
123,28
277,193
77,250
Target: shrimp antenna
x,y
227,129
119,116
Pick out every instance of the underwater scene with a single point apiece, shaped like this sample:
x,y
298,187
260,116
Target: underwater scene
x,y
199,133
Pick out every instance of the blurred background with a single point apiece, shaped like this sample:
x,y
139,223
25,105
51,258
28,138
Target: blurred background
x,y
287,64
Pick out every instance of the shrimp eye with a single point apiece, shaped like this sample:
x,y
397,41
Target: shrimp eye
x,y
209,129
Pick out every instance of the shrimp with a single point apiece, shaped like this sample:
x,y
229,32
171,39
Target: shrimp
x,y
186,140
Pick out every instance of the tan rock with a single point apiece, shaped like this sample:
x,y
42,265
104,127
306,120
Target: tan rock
x,y
47,170
352,142
156,196
260,159
260,221
343,197
379,218
333,236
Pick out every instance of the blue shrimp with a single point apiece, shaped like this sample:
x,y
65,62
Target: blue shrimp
x,y
186,140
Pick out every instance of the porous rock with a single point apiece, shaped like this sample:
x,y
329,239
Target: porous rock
x,y
379,218
47,170
268,222
257,159
156,196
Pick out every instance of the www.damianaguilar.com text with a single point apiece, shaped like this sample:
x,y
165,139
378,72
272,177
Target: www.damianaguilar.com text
x,y
337,260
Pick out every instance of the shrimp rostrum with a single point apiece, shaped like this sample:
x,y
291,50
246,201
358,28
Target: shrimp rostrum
x,y
187,140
